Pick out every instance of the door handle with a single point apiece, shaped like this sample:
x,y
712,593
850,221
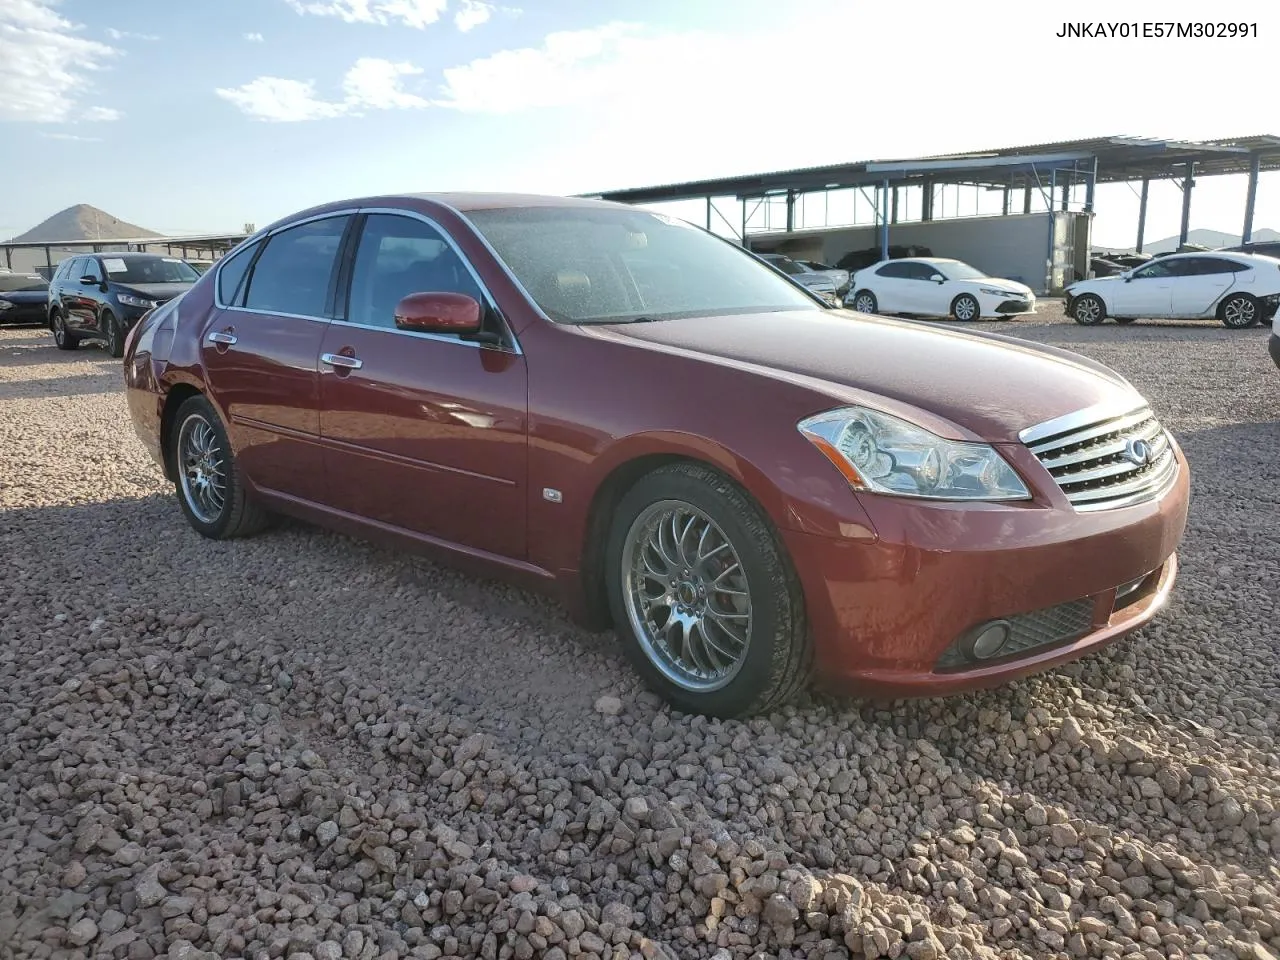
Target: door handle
x,y
219,337
340,360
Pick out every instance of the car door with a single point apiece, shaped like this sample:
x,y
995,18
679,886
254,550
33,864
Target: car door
x,y
927,296
261,350
80,294
891,284
422,432
1202,282
1147,292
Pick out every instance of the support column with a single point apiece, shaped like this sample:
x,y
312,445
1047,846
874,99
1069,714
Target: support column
x,y
1066,197
708,213
1250,198
1188,181
1004,209
1142,213
926,201
1026,199
48,259
791,210
8,258
893,210
744,224
884,222
1089,185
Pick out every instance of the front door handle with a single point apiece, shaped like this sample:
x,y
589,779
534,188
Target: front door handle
x,y
341,360
220,337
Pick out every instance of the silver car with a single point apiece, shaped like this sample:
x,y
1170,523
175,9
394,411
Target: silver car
x,y
819,283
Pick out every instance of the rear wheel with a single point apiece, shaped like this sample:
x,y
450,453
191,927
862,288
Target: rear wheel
x,y
965,307
864,301
1088,310
64,338
704,599
1239,311
207,476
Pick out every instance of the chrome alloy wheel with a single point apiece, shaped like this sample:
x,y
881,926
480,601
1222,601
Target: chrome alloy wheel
x,y
201,469
686,595
1239,312
966,308
865,303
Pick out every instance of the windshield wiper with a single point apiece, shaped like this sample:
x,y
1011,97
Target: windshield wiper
x,y
605,320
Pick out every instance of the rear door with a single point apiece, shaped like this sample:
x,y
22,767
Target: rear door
x,y
1203,281
891,284
423,432
261,352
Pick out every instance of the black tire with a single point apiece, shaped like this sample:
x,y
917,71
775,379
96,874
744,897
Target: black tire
x,y
864,301
64,338
777,660
966,308
1125,321
112,335
1239,311
239,515
1088,310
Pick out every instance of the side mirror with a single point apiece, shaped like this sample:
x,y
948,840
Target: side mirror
x,y
938,278
90,281
451,313
1127,275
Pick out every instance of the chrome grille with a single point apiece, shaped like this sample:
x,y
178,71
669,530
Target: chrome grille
x,y
1090,457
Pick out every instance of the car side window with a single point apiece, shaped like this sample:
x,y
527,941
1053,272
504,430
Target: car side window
x,y
295,269
897,271
398,256
921,271
67,270
231,275
91,269
1153,270
1217,265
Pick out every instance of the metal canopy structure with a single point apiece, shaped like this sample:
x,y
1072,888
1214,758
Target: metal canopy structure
x,y
1046,167
214,244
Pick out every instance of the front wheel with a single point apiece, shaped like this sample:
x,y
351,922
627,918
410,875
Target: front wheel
x,y
113,334
209,482
64,338
1088,310
705,601
965,307
865,302
1239,311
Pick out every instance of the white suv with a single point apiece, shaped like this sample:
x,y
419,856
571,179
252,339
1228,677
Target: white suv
x,y
1239,289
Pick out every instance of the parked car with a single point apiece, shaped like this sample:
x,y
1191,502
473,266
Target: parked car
x,y
1239,289
101,296
1261,248
935,287
23,297
200,266
636,415
1126,260
819,283
861,259
1102,267
1273,342
839,277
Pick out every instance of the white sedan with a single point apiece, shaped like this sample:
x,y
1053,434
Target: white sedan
x,y
1238,289
935,287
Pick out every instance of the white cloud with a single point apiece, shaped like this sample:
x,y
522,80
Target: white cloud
x,y
100,114
71,136
115,34
411,13
44,65
569,67
472,14
254,37
371,84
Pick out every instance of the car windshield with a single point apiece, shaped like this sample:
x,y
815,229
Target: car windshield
x,y
600,265
956,270
149,270
12,282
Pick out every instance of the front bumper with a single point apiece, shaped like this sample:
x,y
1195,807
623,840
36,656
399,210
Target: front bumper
x,y
886,613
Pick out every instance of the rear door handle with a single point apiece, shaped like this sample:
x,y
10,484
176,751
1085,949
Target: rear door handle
x,y
340,360
219,337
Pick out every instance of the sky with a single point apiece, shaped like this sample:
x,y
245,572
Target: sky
x,y
203,115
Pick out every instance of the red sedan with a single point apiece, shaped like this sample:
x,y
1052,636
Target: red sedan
x,y
753,488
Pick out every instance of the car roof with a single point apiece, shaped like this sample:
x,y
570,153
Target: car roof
x,y
465,200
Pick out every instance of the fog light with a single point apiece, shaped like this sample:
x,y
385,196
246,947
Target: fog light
x,y
989,641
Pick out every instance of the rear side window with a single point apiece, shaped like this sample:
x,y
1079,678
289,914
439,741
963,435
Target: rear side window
x,y
294,271
899,271
231,275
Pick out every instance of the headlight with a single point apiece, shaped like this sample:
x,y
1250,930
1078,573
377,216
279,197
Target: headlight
x,y
130,300
884,454
998,293
5,305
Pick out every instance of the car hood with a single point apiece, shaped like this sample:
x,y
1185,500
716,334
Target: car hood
x,y
989,385
155,291
994,283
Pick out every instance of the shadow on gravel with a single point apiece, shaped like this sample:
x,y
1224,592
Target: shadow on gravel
x,y
51,356
82,385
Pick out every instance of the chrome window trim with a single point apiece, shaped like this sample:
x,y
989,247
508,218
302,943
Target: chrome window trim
x,y
515,347
484,241
1089,416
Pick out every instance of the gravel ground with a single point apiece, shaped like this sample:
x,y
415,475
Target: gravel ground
x,y
302,746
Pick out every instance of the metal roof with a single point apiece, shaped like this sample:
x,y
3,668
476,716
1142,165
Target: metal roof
x,y
1119,159
208,241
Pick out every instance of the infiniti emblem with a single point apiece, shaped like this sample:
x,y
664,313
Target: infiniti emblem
x,y
1137,452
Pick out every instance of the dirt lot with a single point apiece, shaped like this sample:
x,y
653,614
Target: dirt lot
x,y
300,745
